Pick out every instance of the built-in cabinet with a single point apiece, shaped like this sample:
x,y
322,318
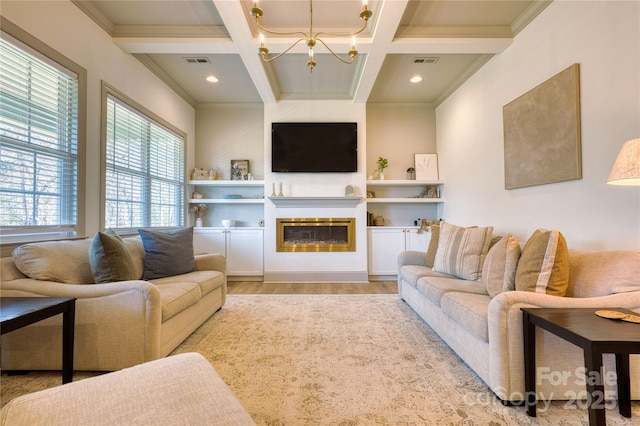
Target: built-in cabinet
x,y
401,203
243,248
387,242
239,200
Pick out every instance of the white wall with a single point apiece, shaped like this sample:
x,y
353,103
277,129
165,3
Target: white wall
x,y
320,266
604,38
397,132
63,27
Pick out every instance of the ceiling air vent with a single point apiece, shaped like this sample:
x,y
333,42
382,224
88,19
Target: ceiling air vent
x,y
429,60
197,60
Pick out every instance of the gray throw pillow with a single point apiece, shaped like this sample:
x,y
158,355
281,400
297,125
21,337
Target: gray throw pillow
x,y
167,253
109,259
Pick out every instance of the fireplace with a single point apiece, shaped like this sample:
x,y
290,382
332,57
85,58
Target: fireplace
x,y
315,234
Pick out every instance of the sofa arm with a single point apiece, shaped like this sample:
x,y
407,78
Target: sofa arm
x,y
411,257
506,336
109,317
211,262
27,287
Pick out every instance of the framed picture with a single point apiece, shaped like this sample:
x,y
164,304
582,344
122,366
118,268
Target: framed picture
x,y
239,169
371,194
542,142
426,166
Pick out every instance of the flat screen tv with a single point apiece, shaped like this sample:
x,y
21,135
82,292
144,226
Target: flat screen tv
x,y
314,147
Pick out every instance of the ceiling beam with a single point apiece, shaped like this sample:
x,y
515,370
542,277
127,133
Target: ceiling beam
x,y
236,24
388,20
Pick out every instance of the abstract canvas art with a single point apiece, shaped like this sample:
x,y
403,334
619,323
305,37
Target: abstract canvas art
x,y
542,133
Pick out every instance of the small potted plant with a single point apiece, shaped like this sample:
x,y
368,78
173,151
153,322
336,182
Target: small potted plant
x,y
199,210
383,163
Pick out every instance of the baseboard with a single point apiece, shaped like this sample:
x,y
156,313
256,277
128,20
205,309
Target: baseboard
x,y
383,277
245,278
316,277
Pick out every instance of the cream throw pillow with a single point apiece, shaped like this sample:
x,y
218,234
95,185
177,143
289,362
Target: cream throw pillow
x,y
499,269
461,251
544,264
61,261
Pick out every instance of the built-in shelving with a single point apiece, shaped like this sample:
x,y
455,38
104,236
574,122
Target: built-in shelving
x,y
404,182
226,182
315,201
241,200
390,184
227,200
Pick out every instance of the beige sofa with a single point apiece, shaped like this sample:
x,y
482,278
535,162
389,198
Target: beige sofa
x,y
117,324
178,390
486,332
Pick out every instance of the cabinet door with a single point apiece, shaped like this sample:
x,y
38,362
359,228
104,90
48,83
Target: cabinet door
x,y
415,241
245,252
385,244
209,241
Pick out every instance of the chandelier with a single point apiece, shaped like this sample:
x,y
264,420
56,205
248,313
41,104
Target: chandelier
x,y
310,38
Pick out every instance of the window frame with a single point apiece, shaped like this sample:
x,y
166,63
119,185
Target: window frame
x,y
39,48
110,91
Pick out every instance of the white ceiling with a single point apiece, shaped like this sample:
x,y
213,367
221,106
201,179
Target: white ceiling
x,y
461,35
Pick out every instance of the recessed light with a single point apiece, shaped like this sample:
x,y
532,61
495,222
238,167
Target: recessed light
x,y
212,79
416,79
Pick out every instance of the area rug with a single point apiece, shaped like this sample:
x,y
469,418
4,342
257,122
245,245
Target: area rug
x,y
352,360
342,360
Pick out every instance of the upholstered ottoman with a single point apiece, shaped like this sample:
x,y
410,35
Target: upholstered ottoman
x,y
178,390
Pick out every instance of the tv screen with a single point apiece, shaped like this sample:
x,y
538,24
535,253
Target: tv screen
x,y
314,147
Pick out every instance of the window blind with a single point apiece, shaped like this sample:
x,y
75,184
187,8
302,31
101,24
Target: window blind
x,y
144,179
38,146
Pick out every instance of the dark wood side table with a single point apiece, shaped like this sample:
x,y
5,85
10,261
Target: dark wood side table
x,y
595,336
18,312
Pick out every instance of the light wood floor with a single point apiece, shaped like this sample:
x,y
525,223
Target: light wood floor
x,y
258,287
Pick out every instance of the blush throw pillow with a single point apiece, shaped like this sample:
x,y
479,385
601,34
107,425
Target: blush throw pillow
x,y
110,259
461,251
500,265
544,264
167,253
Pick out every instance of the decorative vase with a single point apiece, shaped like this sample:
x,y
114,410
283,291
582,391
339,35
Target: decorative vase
x,y
381,175
199,222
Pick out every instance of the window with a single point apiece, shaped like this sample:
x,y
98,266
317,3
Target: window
x,y
144,173
39,143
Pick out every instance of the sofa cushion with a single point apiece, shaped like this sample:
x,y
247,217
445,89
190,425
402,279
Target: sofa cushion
x,y
461,251
600,273
436,287
469,310
110,259
412,273
207,280
499,269
167,253
544,264
177,296
433,245
60,261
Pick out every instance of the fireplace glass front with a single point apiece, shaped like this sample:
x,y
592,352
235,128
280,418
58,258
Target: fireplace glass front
x,y
315,234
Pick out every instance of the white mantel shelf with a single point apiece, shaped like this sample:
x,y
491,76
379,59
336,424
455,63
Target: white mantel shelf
x,y
316,201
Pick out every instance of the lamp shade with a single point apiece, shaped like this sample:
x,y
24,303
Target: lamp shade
x,y
626,169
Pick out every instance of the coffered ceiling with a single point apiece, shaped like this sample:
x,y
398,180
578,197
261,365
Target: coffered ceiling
x,y
184,41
